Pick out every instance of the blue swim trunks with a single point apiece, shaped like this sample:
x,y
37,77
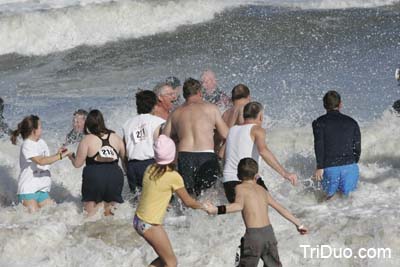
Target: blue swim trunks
x,y
39,196
340,178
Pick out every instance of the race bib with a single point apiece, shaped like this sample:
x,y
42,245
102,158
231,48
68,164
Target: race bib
x,y
107,152
139,134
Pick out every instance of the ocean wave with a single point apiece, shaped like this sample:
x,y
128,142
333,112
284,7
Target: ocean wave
x,y
45,31
335,4
46,26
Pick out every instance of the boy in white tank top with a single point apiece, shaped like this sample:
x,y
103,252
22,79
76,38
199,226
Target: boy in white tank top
x,y
248,140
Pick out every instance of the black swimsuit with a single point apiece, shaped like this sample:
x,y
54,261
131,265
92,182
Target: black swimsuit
x,y
104,142
102,181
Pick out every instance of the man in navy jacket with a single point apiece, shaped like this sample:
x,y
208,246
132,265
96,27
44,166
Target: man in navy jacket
x,y
337,144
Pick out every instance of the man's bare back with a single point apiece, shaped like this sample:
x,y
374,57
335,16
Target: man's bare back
x,y
233,116
193,123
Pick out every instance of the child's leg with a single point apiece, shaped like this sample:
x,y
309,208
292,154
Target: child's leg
x,y
46,202
270,255
250,252
31,204
44,199
158,239
91,207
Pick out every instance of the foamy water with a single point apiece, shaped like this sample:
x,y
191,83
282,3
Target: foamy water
x,y
289,56
61,236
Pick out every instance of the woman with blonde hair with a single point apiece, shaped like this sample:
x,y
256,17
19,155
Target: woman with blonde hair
x,y
160,181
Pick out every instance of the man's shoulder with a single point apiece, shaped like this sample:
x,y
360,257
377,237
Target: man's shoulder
x,y
142,117
348,118
230,110
203,106
257,129
319,121
321,118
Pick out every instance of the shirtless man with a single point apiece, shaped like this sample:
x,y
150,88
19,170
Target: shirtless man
x,y
166,96
248,140
240,97
193,124
252,200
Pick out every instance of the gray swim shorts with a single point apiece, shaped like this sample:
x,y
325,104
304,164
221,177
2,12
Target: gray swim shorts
x,y
259,243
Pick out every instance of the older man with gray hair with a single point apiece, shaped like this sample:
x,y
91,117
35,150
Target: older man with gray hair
x,y
166,95
211,92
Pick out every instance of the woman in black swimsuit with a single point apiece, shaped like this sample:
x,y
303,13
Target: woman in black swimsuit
x,y
103,179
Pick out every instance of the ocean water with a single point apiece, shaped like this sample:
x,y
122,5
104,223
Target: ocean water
x,y
58,56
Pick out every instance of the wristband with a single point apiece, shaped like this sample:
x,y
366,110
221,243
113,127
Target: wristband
x,y
300,227
60,154
221,209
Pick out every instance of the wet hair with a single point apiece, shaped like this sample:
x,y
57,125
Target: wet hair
x,y
240,91
251,110
158,170
173,81
191,87
94,123
81,112
247,169
331,100
145,101
25,128
159,88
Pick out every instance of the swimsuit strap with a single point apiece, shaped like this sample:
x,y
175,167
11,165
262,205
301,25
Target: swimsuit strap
x,y
104,142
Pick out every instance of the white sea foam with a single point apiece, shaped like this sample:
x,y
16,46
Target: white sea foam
x,y
43,27
61,236
334,4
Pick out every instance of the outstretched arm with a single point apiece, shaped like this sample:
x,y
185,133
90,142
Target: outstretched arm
x,y
79,160
187,199
268,156
286,214
233,207
47,160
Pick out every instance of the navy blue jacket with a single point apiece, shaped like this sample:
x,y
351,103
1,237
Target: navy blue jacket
x,y
337,140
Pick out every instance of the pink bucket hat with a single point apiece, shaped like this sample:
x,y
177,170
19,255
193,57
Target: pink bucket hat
x,y
164,150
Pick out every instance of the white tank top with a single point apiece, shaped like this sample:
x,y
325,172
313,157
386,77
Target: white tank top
x,y
139,136
238,145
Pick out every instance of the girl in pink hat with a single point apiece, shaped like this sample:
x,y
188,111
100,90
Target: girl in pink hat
x,y
160,181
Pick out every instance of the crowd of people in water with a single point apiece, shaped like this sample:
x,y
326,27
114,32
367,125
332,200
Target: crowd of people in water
x,y
180,142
